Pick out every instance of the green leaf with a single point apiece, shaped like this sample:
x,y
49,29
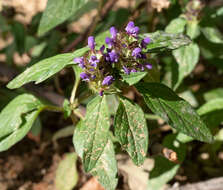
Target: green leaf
x,y
67,109
219,12
45,68
86,8
163,172
79,138
17,135
177,25
97,124
161,41
189,97
187,57
183,138
131,130
193,29
19,34
174,110
17,118
11,116
106,167
210,106
66,173
133,78
213,34
64,132
213,94
212,112
36,127
113,103
58,11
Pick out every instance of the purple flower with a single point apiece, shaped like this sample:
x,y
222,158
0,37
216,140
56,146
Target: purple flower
x,y
80,60
109,42
133,71
108,80
145,42
93,76
131,29
126,70
141,67
113,32
102,48
85,76
148,65
112,57
94,60
137,53
101,92
91,42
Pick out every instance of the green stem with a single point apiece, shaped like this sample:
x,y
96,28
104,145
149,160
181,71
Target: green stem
x,y
74,90
53,108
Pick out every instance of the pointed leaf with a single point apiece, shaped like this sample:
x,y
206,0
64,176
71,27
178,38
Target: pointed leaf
x,y
28,120
210,106
66,173
97,124
131,130
177,25
213,94
213,34
193,29
79,138
45,68
106,168
11,115
163,171
174,110
133,78
212,112
187,57
161,41
58,11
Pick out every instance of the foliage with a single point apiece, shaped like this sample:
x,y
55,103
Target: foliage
x,y
103,71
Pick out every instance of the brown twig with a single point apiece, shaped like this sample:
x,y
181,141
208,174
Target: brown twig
x,y
88,31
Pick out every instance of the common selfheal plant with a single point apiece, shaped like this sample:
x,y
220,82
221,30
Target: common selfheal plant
x,y
124,60
124,54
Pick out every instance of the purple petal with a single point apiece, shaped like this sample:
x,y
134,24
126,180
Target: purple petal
x,y
101,92
113,32
133,71
93,76
148,66
108,80
137,52
131,29
126,70
129,26
78,59
85,76
113,56
91,42
145,42
109,42
102,49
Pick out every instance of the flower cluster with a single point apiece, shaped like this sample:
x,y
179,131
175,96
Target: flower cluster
x,y
122,52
